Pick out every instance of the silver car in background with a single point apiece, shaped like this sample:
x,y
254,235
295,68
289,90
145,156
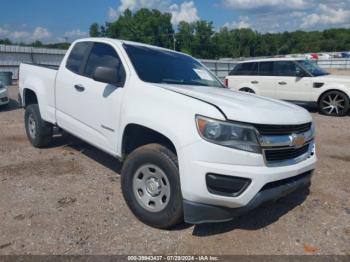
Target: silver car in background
x,y
4,98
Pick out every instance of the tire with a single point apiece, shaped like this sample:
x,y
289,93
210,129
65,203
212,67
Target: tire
x,y
247,90
145,174
38,131
334,103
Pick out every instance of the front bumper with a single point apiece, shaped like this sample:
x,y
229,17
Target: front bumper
x,y
197,213
200,158
4,99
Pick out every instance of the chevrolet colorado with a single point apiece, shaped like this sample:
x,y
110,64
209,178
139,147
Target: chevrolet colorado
x,y
192,149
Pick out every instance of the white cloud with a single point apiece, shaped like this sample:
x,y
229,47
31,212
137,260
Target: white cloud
x,y
127,4
326,15
278,15
186,12
242,23
255,4
20,35
3,31
41,33
75,34
112,14
134,5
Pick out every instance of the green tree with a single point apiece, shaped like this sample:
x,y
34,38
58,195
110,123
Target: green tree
x,y
95,30
146,26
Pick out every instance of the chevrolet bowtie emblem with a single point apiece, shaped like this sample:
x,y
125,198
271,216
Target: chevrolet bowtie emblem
x,y
298,140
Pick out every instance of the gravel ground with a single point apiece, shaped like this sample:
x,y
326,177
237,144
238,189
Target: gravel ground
x,y
67,200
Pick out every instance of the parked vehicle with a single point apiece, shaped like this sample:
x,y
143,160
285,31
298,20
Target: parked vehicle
x,y
324,56
345,55
312,56
4,97
298,81
192,149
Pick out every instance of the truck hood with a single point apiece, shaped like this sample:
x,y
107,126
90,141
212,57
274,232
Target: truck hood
x,y
333,79
245,107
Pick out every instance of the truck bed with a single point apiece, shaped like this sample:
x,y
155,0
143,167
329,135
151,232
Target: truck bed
x,y
41,79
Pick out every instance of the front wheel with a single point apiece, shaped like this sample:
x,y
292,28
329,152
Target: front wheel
x,y
38,131
334,103
151,186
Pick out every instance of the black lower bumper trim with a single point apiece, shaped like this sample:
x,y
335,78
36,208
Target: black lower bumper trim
x,y
197,213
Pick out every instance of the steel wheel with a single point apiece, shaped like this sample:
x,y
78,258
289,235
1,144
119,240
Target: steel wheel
x,y
334,104
151,188
32,126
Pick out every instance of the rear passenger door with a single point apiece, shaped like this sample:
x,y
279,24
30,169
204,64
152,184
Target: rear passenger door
x,y
266,79
289,86
243,76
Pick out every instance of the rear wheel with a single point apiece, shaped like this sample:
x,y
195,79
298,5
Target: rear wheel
x,y
334,103
151,186
38,131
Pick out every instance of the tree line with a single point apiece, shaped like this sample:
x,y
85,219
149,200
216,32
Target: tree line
x,y
201,40
36,43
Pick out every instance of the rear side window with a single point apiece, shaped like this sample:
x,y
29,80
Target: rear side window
x,y
266,69
245,69
77,56
106,56
285,68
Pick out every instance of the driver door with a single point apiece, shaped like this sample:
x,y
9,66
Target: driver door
x,y
93,108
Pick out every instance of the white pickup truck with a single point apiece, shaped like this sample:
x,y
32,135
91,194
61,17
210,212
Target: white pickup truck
x,y
192,149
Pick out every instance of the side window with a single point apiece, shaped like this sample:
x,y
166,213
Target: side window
x,y
266,69
106,56
285,68
77,56
245,69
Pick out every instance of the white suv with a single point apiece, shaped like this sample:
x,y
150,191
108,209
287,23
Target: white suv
x,y
292,79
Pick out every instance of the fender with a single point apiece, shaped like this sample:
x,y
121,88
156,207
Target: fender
x,y
318,92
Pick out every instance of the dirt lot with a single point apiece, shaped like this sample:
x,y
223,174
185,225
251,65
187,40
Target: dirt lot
x,y
67,200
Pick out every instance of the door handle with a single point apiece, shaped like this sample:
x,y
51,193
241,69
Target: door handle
x,y
254,82
79,88
282,83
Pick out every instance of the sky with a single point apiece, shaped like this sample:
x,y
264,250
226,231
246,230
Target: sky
x,y
58,21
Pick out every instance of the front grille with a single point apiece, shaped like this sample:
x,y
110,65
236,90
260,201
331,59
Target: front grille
x,y
268,130
4,99
272,155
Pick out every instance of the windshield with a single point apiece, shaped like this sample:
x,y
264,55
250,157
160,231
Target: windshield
x,y
166,67
312,68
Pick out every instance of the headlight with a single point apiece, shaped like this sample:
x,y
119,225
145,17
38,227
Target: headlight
x,y
237,136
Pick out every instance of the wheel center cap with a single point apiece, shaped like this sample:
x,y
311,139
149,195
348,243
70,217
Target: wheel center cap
x,y
153,186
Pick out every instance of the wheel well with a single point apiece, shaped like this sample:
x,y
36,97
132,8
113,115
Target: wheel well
x,y
330,90
29,97
137,135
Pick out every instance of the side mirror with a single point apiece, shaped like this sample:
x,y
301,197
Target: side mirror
x,y
106,75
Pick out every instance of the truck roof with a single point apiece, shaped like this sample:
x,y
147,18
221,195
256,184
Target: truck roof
x,y
119,41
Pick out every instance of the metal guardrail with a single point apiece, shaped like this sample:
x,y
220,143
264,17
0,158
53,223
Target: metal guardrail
x,y
335,63
12,56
